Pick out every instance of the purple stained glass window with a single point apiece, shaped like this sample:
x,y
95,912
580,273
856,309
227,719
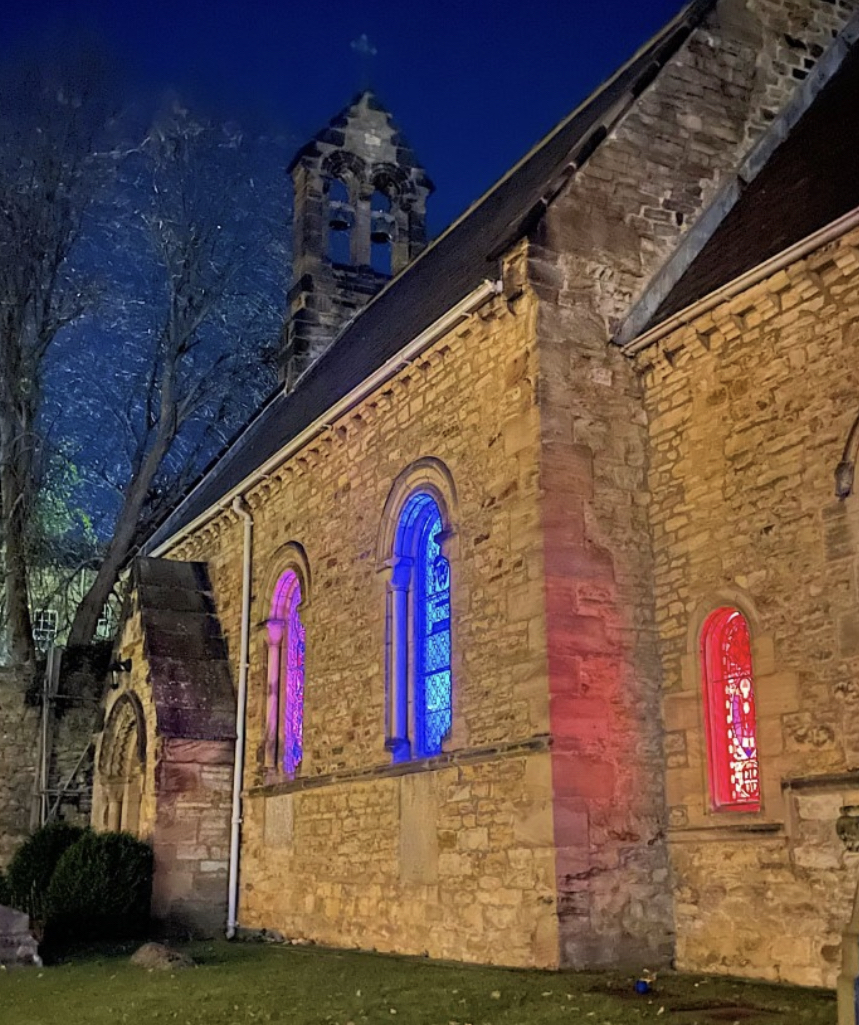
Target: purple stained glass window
x,y
286,635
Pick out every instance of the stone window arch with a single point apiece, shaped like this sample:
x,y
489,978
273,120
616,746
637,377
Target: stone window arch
x,y
415,552
729,692
288,598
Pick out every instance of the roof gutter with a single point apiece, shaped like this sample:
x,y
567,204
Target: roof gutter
x,y
454,316
830,233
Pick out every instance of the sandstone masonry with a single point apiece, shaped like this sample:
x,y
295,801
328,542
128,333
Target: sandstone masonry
x,y
748,412
19,737
598,506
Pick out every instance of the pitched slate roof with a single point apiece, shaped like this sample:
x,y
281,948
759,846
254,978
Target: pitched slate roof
x,y
442,276
810,181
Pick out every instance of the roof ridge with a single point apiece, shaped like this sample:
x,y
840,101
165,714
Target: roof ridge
x,y
450,267
692,13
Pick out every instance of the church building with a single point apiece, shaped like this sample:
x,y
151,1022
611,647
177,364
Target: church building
x,y
521,624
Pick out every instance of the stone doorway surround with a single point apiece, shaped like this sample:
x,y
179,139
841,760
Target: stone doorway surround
x,y
164,760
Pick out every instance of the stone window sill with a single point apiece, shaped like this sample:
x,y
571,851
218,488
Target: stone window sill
x,y
825,781
468,756
724,829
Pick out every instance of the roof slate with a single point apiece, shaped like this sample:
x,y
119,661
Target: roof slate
x,y
442,276
810,181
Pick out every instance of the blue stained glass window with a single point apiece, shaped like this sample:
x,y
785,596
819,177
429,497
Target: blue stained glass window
x,y
420,527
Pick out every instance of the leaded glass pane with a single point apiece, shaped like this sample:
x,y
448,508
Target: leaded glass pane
x,y
294,732
729,688
288,640
433,697
739,711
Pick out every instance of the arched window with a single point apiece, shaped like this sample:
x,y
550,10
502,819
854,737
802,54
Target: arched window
x,y
340,220
381,232
420,657
286,676
729,702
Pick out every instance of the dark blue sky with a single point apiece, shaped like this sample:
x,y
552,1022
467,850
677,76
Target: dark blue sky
x,y
472,84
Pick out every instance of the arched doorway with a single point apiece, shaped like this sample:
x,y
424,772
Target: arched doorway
x,y
121,767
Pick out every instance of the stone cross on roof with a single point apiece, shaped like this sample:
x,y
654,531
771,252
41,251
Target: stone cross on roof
x,y
365,51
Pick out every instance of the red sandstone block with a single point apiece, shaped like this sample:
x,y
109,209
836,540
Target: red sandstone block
x,y
577,635
564,672
571,825
583,718
575,775
580,562
179,778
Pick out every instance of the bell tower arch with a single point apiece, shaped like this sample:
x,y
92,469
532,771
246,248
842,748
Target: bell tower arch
x,y
359,218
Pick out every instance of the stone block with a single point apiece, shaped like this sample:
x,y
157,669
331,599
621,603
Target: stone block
x,y
200,752
279,817
848,634
681,711
17,944
777,694
418,830
579,776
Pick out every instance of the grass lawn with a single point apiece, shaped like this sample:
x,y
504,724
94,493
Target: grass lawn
x,y
245,983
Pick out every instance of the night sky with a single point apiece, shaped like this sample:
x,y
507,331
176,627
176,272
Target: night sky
x,y
472,84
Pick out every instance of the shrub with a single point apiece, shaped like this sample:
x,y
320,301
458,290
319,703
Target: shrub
x,y
100,890
5,892
32,865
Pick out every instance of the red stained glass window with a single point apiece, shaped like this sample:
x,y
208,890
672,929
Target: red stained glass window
x,y
729,702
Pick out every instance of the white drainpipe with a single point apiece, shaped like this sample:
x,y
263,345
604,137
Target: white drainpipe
x,y
240,507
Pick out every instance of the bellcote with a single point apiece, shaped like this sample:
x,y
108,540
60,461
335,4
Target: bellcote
x,y
359,218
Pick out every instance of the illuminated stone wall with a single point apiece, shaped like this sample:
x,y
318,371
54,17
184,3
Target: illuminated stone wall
x,y
539,836
747,422
452,855
599,244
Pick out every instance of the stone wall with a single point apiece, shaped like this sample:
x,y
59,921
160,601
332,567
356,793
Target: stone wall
x,y
749,409
601,241
163,776
613,890
543,431
191,836
19,742
453,855
454,861
646,185
72,717
75,717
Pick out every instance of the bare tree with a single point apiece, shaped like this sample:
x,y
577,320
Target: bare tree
x,y
204,297
141,291
49,173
